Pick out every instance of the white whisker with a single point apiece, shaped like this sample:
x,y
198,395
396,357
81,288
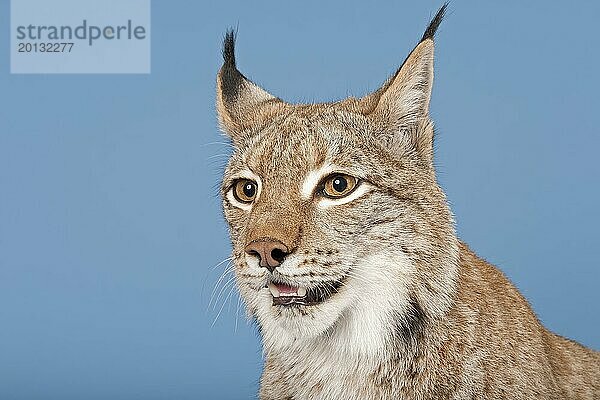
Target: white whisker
x,y
223,304
223,286
226,271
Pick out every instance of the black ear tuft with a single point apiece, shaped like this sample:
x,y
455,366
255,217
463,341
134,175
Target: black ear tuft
x,y
231,78
435,23
229,48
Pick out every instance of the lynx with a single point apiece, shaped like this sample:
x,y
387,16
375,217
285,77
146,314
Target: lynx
x,y
346,256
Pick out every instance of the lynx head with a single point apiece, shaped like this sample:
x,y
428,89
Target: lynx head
x,y
337,223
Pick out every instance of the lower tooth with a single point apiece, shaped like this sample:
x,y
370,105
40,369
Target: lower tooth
x,y
301,291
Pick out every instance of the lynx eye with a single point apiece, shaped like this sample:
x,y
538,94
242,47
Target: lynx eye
x,y
244,190
339,185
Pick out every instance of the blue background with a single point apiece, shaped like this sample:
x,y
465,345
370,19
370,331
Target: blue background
x,y
110,223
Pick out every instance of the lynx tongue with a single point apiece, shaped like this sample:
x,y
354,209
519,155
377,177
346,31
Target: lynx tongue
x,y
282,290
285,294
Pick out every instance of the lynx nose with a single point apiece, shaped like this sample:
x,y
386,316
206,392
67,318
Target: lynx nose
x,y
271,252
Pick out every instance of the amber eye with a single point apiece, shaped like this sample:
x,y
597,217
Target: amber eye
x,y
339,185
244,190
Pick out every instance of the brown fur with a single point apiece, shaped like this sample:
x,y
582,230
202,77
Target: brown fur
x,y
417,315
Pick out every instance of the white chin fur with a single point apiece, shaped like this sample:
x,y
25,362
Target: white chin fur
x,y
292,323
356,317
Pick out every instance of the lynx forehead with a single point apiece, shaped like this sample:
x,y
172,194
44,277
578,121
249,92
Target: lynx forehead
x,y
346,257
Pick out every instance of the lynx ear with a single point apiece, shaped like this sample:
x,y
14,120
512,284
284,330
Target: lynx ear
x,y
241,104
400,108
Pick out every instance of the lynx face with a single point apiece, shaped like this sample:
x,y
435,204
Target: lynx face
x,y
321,195
336,219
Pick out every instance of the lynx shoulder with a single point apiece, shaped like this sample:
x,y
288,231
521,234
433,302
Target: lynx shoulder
x,y
346,256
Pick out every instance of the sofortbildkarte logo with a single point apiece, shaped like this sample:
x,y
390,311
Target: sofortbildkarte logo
x,y
80,36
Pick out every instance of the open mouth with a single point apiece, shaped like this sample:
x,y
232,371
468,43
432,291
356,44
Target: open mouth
x,y
286,295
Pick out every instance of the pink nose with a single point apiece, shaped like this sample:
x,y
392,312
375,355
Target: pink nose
x,y
271,252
